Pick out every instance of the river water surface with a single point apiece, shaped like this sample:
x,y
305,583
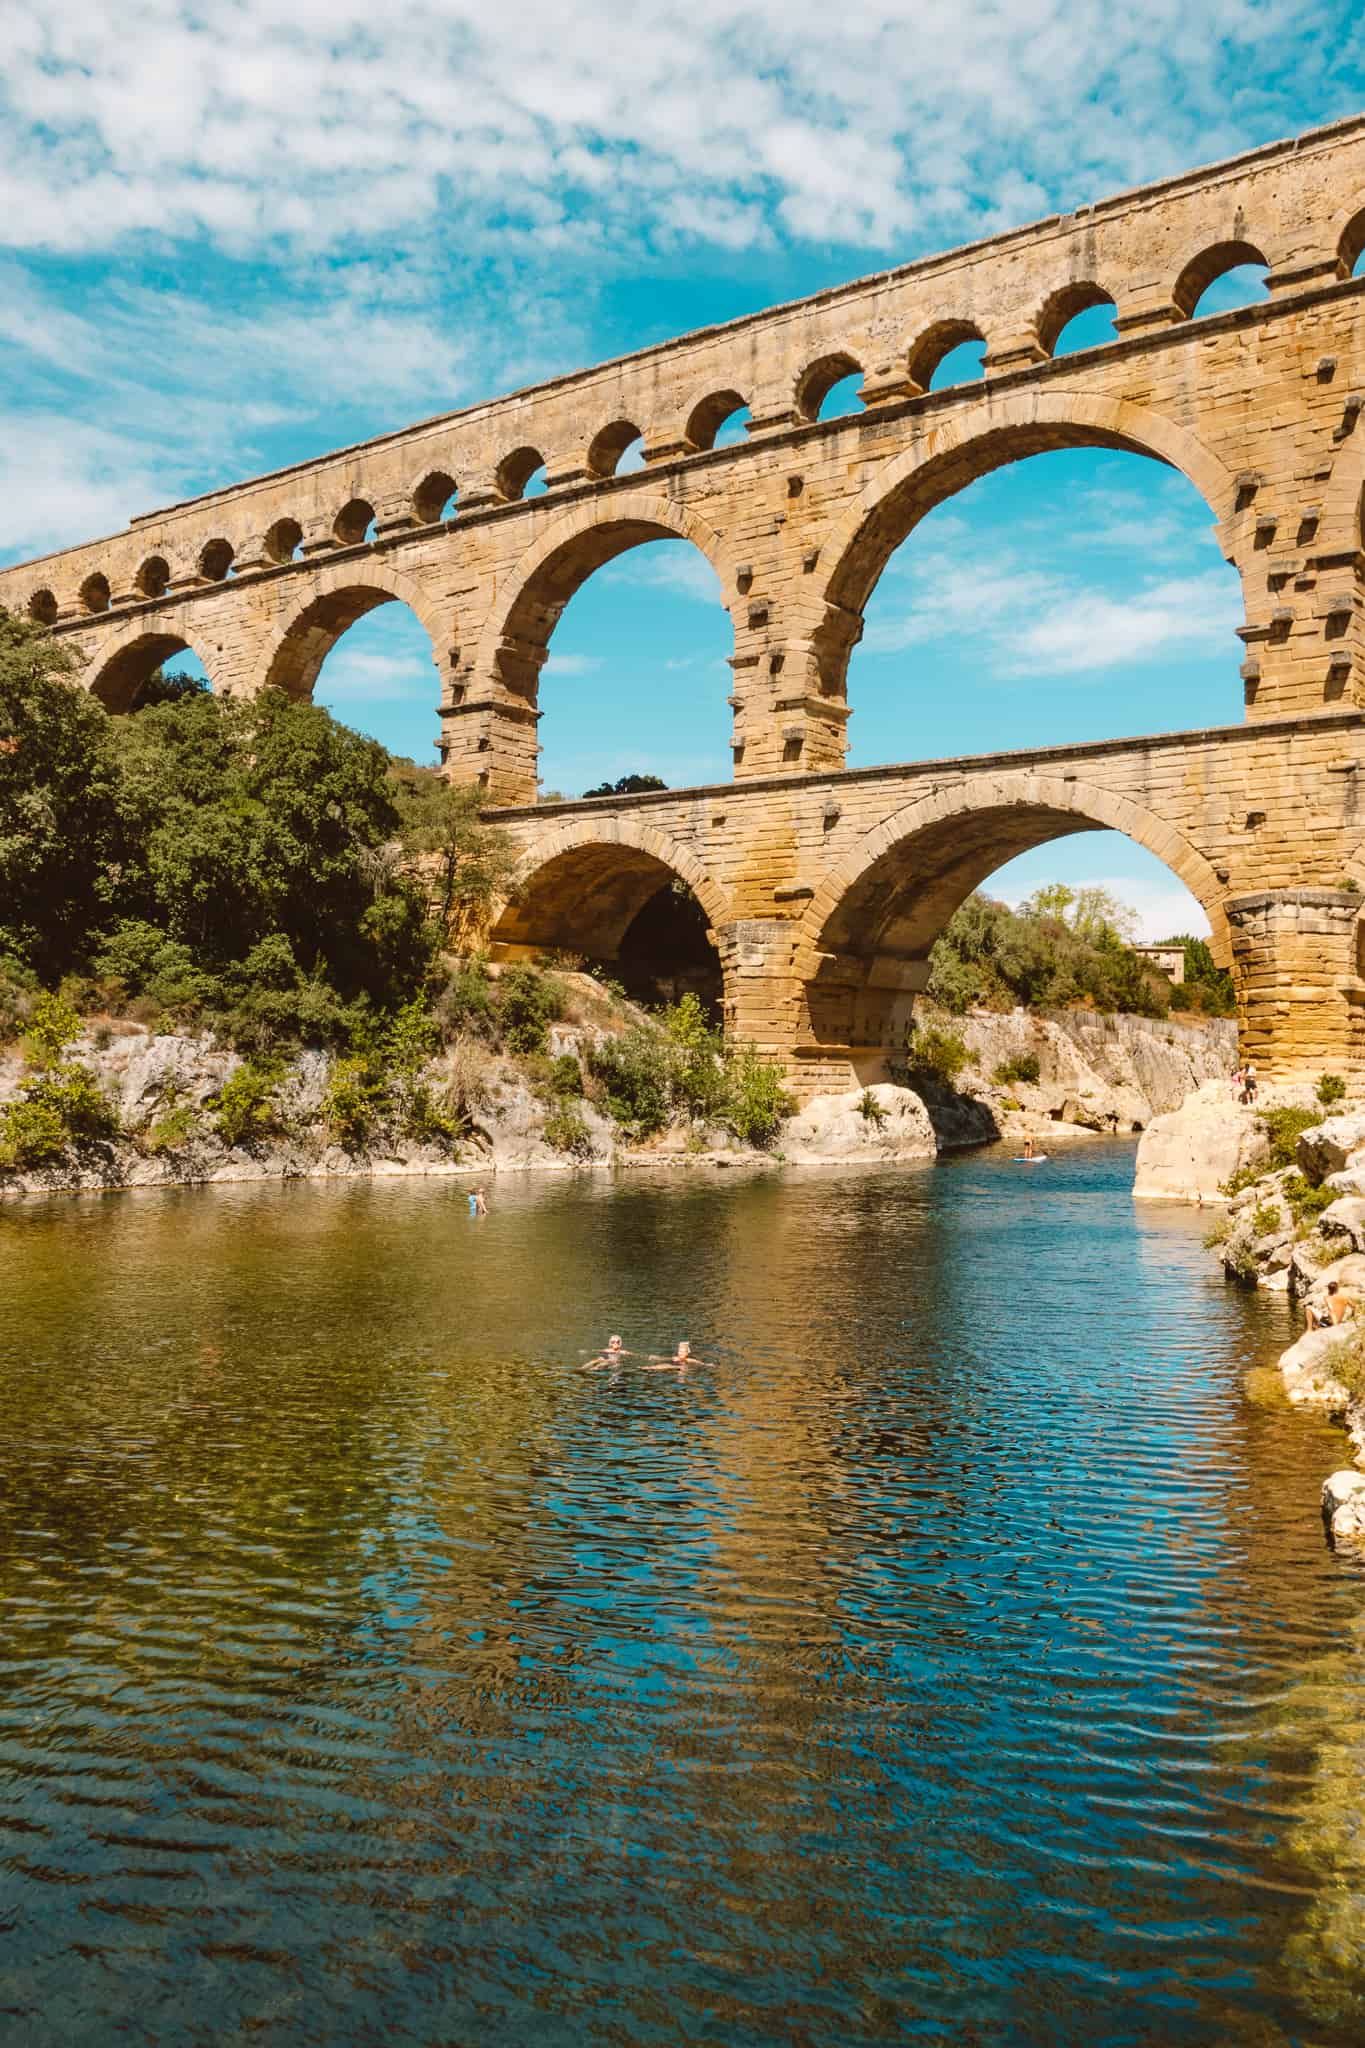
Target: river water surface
x,y
955,1657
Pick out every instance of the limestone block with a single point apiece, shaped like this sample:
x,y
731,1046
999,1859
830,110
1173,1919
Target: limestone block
x,y
1328,1147
1343,1505
833,1129
1188,1154
1306,1368
1345,1218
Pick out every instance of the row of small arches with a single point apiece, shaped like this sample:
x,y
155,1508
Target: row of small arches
x,y
948,352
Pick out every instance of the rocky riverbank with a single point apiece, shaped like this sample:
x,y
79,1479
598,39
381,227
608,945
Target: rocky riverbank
x,y
1063,1076
1289,1179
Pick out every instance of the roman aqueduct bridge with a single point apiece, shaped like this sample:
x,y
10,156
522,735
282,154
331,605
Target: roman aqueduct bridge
x,y
824,887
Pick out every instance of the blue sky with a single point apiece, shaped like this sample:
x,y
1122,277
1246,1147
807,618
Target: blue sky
x,y
234,237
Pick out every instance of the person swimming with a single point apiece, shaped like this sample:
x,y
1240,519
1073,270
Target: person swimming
x,y
679,1362
477,1205
613,1354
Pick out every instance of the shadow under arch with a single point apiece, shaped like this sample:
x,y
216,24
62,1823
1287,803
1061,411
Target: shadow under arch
x,y
123,664
949,454
585,882
560,562
883,906
331,603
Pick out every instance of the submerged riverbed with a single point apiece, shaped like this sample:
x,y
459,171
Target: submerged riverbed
x,y
956,1657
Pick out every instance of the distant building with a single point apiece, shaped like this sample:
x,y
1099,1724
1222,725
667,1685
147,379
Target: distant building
x,y
1170,959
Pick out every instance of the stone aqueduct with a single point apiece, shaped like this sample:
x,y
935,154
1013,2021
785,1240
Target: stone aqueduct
x,y
824,887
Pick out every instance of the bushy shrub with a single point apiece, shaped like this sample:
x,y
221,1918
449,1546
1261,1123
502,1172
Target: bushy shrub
x,y
1284,1128
1306,1203
1266,1218
352,1101
244,1108
18,992
758,1102
31,1134
566,1130
870,1109
1331,1088
528,1002
63,1104
1022,1066
171,1130
937,1053
466,1001
634,1072
700,1081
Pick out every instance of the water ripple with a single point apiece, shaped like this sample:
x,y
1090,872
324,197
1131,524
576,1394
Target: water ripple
x,y
953,1658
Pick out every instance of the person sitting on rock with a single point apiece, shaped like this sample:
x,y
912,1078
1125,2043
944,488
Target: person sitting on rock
x,y
1334,1310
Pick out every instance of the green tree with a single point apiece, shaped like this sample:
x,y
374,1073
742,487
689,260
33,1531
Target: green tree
x,y
626,785
62,849
468,865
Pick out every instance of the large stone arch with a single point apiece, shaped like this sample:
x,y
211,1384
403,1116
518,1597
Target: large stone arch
x,y
585,879
121,662
951,452
329,603
904,880
534,593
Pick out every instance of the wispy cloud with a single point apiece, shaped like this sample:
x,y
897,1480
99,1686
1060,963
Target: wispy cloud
x,y
1027,621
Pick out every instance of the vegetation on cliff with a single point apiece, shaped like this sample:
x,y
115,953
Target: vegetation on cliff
x,y
260,875
1063,947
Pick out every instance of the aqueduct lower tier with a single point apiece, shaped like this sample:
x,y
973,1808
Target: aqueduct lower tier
x,y
824,893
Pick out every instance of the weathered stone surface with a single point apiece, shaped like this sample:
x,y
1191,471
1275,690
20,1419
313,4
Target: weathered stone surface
x,y
1306,1368
1345,1218
1188,1154
824,890
1343,1505
1329,1147
834,1129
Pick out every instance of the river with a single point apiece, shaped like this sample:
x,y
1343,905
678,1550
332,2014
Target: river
x,y
956,1656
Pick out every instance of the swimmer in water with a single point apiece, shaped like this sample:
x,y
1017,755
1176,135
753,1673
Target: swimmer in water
x,y
613,1355
477,1205
679,1362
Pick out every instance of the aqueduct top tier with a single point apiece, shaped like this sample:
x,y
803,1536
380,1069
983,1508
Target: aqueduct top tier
x,y
1260,408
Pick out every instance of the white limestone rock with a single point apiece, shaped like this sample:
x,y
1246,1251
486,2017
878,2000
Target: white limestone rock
x,y
1306,1369
1343,1506
1345,1218
1328,1147
1187,1154
834,1128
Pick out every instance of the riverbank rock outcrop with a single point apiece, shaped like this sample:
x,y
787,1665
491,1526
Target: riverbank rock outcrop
x,y
880,1123
1190,1153
1343,1506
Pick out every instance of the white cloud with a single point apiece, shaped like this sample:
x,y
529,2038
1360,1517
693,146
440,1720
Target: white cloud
x,y
350,676
1032,622
1086,630
667,565
571,665
336,122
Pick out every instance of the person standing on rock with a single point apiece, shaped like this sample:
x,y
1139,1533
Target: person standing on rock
x,y
1249,1084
